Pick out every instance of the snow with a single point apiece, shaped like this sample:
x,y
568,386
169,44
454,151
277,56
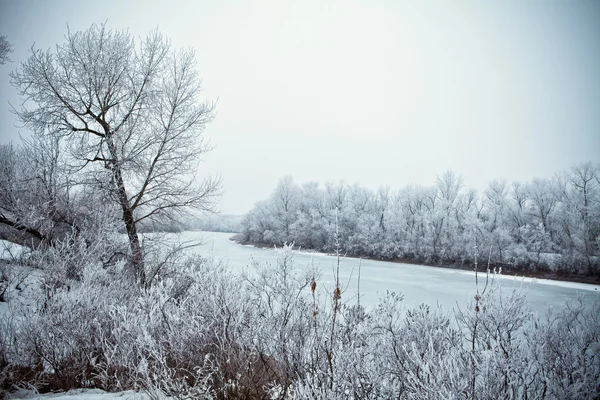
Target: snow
x,y
24,285
566,284
10,251
419,284
551,282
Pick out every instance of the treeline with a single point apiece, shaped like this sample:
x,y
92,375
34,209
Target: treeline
x,y
211,222
549,224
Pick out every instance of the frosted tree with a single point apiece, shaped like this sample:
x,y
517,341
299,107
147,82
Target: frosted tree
x,y
541,204
285,205
584,179
129,113
545,223
495,200
308,229
38,203
5,49
448,188
578,213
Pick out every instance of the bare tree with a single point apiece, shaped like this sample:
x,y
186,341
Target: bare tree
x,y
129,113
5,48
25,196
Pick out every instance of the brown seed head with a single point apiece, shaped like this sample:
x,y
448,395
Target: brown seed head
x,y
337,293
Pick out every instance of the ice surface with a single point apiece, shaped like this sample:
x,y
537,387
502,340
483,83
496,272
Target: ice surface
x,y
419,284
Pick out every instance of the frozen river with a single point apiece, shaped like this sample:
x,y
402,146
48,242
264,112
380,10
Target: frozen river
x,y
418,284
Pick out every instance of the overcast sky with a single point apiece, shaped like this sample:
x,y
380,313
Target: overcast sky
x,y
384,93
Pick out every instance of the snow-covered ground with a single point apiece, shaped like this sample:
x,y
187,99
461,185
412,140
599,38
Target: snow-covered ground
x,y
23,282
9,251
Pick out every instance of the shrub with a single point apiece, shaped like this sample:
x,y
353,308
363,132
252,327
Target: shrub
x,y
200,331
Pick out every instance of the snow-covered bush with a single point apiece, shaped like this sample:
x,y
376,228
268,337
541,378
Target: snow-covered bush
x,y
566,348
280,332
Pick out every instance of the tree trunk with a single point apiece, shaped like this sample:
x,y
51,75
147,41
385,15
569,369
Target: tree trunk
x,y
21,234
137,257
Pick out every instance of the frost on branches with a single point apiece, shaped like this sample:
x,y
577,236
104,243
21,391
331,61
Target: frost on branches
x,y
200,331
546,224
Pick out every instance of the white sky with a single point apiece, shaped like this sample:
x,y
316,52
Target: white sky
x,y
384,93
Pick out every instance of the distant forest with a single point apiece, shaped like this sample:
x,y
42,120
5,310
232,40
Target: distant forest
x,y
216,223
542,225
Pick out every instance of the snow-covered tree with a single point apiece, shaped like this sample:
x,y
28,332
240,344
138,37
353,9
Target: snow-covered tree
x,y
5,49
130,115
546,223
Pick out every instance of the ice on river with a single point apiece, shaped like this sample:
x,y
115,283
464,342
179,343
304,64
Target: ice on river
x,y
419,284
